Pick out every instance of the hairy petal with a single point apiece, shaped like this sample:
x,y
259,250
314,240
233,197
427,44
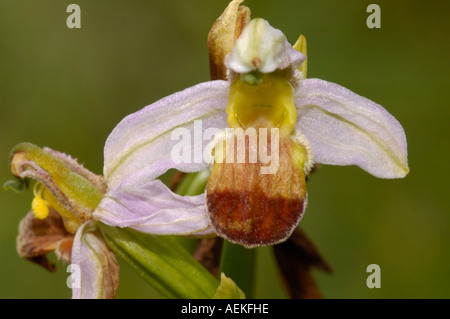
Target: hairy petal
x,y
154,209
140,146
98,268
344,128
73,165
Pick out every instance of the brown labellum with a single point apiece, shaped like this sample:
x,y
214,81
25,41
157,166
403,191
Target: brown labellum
x,y
254,209
38,237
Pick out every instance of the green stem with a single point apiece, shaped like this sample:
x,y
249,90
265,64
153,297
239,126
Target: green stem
x,y
193,183
162,262
237,262
183,185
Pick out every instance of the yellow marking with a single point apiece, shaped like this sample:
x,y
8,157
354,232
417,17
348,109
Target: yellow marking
x,y
39,205
269,104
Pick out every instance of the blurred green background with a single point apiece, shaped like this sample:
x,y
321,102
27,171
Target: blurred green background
x,y
68,88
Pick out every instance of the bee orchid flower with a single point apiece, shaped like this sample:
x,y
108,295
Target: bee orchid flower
x,y
316,122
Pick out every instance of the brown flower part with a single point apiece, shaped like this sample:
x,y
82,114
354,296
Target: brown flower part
x,y
64,250
208,252
254,209
227,28
38,237
296,257
176,179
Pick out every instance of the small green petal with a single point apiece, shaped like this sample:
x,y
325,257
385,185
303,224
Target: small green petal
x,y
300,46
17,185
228,289
239,263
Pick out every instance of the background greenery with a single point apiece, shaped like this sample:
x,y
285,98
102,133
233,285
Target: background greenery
x,y
67,89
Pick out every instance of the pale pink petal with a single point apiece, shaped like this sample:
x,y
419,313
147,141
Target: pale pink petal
x,y
140,146
154,209
344,128
95,272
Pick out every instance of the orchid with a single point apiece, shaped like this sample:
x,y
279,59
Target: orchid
x,y
317,121
249,202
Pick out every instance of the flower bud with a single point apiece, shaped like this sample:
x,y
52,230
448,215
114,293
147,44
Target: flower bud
x,y
222,36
